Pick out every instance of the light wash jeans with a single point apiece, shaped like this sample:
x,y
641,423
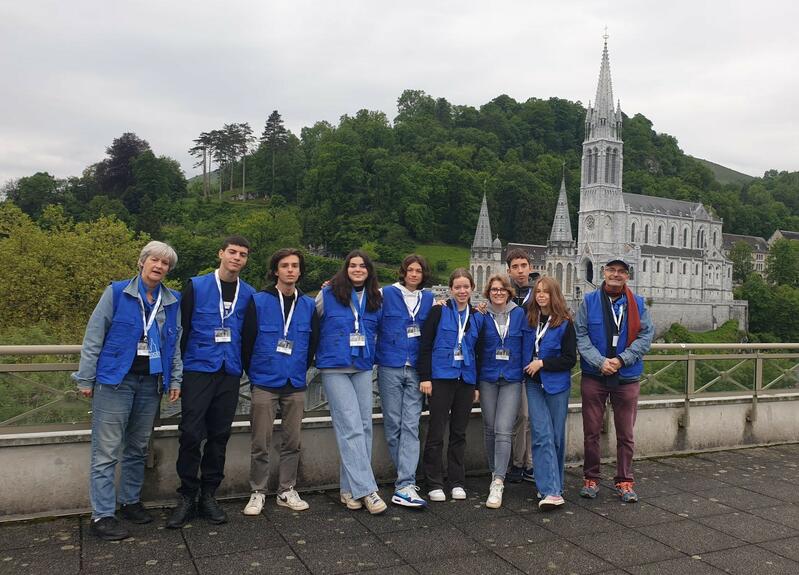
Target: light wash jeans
x,y
122,421
402,406
499,402
548,423
349,397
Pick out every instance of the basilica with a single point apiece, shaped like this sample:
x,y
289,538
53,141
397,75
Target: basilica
x,y
674,247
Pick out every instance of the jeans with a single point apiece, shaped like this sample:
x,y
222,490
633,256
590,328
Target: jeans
x,y
548,420
624,399
402,406
522,450
450,403
349,397
499,403
264,409
122,422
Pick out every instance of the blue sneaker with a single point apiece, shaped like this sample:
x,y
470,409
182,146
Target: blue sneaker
x,y
624,489
514,475
408,496
527,475
590,489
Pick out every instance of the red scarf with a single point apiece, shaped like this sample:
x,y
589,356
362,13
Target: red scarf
x,y
633,315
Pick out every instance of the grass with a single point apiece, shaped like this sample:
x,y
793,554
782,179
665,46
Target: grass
x,y
443,258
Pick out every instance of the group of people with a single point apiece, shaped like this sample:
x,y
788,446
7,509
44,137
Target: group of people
x,y
514,354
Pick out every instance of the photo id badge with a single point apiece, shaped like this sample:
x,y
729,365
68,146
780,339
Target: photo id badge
x,y
503,354
457,355
615,340
357,340
143,349
413,330
284,346
222,335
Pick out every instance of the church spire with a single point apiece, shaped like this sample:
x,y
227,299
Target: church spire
x,y
561,226
602,120
482,235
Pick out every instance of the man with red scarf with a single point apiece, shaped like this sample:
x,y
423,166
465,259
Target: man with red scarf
x,y
614,332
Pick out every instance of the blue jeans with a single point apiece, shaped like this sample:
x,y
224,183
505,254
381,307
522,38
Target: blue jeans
x,y
122,422
349,397
402,407
548,427
499,402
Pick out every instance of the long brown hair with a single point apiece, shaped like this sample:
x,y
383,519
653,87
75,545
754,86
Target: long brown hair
x,y
558,311
341,285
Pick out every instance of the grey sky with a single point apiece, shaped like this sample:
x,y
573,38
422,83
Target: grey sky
x,y
716,75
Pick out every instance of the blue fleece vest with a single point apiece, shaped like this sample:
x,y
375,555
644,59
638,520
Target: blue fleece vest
x,y
268,368
596,332
394,347
492,369
447,339
125,332
202,352
549,347
336,325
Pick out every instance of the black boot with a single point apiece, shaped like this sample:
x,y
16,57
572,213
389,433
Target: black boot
x,y
210,509
185,511
108,529
135,513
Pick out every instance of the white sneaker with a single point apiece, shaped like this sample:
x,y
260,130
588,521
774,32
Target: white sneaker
x,y
458,493
374,504
408,496
346,499
255,505
291,499
495,490
437,495
550,502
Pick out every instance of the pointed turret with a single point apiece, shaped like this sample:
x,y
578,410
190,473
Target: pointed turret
x,y
482,235
561,226
602,120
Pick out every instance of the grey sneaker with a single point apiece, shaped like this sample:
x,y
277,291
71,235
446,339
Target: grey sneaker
x,y
291,499
346,499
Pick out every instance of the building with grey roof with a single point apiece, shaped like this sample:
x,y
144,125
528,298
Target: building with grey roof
x,y
759,247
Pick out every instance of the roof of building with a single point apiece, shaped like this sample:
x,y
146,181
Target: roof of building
x,y
537,254
757,243
482,235
647,250
666,206
561,226
789,235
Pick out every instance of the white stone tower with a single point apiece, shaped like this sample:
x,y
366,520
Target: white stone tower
x,y
561,248
486,256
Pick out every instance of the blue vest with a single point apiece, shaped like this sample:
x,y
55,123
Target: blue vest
x,y
596,332
202,352
394,347
125,332
447,339
336,325
268,368
548,348
492,369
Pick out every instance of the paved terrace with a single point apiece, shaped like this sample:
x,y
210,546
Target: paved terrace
x,y
720,512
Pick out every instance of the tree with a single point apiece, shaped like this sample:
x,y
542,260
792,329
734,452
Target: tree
x,y
782,263
115,173
202,150
274,137
33,193
741,257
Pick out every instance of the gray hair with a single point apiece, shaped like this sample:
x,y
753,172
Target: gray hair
x,y
161,250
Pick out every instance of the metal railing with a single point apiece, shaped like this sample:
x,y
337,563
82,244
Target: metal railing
x,y
37,394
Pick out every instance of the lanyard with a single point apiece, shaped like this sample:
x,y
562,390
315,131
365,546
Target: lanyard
x,y
415,309
461,326
358,307
148,323
286,320
527,297
539,333
617,320
222,313
502,330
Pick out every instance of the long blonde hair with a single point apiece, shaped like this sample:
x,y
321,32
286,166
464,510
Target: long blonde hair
x,y
558,311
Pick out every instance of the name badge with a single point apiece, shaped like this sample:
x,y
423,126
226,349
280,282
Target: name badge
x,y
222,335
457,354
615,340
503,354
284,346
413,330
357,340
143,349
227,305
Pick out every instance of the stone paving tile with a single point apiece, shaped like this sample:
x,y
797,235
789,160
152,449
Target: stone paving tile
x,y
147,543
748,527
347,555
778,489
317,527
572,520
558,557
625,547
693,482
690,463
751,560
152,567
788,548
399,519
488,564
633,514
506,532
472,509
739,498
33,533
41,560
435,543
690,505
784,514
281,560
682,566
690,537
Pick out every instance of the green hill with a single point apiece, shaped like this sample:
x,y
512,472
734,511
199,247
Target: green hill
x,y
726,175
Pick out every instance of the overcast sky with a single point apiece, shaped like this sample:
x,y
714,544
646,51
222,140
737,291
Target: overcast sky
x,y
719,76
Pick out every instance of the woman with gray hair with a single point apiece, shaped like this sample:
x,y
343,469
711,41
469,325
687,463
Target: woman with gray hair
x,y
130,356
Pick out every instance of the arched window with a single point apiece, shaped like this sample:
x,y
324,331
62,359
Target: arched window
x,y
671,238
715,244
559,274
479,278
698,239
594,177
684,267
646,234
607,165
657,267
685,238
671,267
614,166
696,269
632,232
632,272
643,265
660,235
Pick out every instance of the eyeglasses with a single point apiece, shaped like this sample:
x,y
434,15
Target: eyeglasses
x,y
617,271
498,290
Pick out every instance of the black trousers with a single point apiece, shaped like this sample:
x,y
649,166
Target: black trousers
x,y
209,403
451,402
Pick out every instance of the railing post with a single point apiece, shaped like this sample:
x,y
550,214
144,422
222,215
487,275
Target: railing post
x,y
752,417
690,388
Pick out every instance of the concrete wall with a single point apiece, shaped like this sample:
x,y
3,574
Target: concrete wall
x,y
48,475
696,316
